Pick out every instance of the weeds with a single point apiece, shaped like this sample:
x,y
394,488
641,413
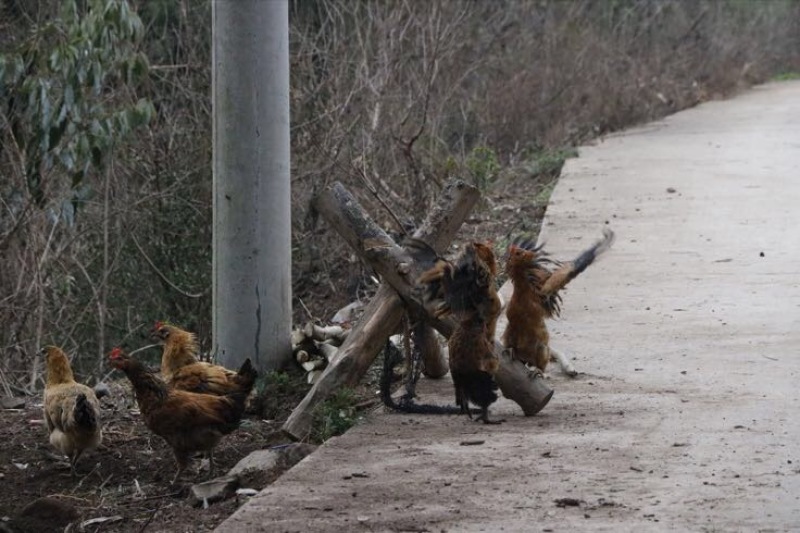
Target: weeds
x,y
335,415
787,76
482,165
278,392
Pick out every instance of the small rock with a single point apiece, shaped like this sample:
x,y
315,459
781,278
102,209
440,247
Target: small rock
x,y
296,452
279,457
101,390
671,190
8,402
214,490
476,442
246,492
44,514
761,254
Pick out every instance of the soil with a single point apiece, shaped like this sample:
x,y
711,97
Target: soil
x,y
127,477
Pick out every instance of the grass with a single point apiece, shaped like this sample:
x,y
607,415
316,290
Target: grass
x,y
335,415
787,76
549,162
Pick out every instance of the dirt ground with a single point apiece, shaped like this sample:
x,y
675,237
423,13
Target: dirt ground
x,y
127,477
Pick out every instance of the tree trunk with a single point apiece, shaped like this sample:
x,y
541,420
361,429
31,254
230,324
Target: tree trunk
x,y
251,194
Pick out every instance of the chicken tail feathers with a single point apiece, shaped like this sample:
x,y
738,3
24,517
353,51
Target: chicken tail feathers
x,y
480,388
570,271
246,378
247,374
588,256
84,413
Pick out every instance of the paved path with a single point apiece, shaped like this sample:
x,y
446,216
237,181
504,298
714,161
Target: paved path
x,y
688,415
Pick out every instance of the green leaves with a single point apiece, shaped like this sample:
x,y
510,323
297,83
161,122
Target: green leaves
x,y
56,86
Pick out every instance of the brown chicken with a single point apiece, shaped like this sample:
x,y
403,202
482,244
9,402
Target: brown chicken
x,y
189,422
537,280
71,410
470,296
181,369
473,289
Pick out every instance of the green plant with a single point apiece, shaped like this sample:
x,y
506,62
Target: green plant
x,y
787,76
550,162
278,392
335,415
58,87
482,164
543,196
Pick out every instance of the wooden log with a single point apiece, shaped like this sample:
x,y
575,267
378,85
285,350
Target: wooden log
x,y
434,364
383,314
325,333
352,360
398,268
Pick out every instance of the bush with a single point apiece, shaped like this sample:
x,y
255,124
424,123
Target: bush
x,y
390,98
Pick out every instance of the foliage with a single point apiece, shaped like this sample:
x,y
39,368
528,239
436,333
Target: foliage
x,y
482,164
335,415
58,89
278,392
548,163
787,76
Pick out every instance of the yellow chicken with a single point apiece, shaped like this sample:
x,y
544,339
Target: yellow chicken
x,y
71,410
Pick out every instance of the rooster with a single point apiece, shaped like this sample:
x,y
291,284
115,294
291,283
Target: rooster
x,y
71,409
189,422
537,280
473,288
467,287
181,369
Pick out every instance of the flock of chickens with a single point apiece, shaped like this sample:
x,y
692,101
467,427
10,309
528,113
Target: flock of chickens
x,y
466,290
191,405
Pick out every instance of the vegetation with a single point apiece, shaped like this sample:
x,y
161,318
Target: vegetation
x,y
335,415
105,133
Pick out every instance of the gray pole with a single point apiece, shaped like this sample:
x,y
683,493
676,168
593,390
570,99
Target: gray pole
x,y
252,225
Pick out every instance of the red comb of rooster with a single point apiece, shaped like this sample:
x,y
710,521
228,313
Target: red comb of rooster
x,y
116,352
159,324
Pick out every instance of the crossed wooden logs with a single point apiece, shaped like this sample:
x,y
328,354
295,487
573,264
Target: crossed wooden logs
x,y
398,270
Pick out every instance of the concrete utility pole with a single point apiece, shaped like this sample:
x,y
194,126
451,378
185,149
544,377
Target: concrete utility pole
x,y
252,223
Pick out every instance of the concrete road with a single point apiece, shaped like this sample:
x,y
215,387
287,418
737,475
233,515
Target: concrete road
x,y
687,333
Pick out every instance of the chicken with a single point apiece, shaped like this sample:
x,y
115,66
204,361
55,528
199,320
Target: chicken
x,y
181,369
470,296
471,288
71,410
188,421
537,280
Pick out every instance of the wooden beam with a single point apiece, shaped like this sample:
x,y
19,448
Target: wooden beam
x,y
399,270
383,314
